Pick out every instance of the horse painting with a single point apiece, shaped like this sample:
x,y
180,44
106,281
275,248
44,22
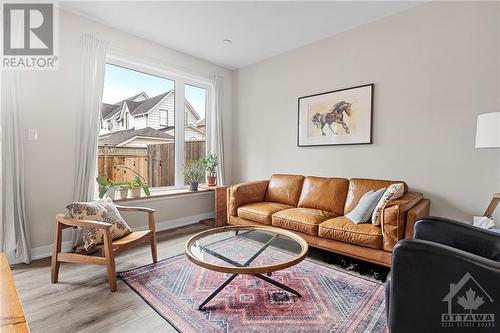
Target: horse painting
x,y
334,115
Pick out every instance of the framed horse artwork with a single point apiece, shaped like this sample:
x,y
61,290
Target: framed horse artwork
x,y
339,117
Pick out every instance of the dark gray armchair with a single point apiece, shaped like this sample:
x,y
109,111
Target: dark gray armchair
x,y
446,279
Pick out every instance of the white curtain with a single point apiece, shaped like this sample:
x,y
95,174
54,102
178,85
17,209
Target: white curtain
x,y
93,66
14,234
214,120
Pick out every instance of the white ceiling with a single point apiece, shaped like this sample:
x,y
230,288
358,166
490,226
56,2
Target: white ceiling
x,y
259,30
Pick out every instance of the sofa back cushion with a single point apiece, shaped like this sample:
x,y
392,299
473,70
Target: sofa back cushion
x,y
324,193
359,186
284,189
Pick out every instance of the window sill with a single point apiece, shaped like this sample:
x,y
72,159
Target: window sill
x,y
165,194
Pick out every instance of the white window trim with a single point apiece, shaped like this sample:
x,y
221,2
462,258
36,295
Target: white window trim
x,y
166,117
181,78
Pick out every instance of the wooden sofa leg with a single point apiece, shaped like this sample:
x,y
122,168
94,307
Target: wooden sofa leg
x,y
110,260
54,269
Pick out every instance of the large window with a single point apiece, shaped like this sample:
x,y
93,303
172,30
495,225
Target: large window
x,y
144,111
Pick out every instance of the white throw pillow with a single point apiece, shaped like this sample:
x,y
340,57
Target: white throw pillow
x,y
392,192
364,209
101,211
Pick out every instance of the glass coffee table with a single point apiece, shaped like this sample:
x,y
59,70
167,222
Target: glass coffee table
x,y
253,250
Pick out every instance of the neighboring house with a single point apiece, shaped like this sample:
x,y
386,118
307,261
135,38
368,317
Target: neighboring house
x,y
139,138
191,133
141,111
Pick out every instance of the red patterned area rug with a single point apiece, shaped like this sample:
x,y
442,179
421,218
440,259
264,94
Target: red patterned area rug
x,y
332,300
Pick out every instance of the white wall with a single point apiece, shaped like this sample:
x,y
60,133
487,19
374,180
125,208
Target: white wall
x,y
51,97
435,67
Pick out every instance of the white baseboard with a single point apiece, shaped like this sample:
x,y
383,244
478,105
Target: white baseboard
x,y
46,251
180,222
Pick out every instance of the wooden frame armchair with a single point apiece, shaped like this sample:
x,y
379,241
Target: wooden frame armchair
x,y
108,250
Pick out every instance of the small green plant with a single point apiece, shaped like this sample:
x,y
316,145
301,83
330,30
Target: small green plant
x,y
105,184
194,171
210,162
138,181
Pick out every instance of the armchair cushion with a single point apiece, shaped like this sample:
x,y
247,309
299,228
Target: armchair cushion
x,y
101,211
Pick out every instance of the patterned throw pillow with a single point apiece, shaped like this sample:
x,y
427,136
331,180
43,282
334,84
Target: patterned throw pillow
x,y
364,209
101,211
393,192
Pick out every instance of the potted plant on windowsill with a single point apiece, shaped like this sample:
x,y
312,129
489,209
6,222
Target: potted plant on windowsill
x,y
194,173
136,185
107,187
210,162
122,191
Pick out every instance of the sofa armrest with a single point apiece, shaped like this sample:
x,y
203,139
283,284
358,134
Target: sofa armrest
x,y
423,276
393,217
244,193
414,214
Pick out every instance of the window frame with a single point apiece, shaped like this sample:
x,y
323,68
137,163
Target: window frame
x,y
166,117
181,78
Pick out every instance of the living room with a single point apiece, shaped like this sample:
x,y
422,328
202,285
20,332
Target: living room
x,y
250,166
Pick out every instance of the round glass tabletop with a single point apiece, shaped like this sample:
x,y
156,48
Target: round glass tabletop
x,y
246,249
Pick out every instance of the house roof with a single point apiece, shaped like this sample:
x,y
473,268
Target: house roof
x,y
146,105
139,108
108,110
133,97
132,106
196,115
119,137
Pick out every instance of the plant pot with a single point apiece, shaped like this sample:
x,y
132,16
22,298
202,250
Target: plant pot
x,y
193,186
211,180
122,193
135,192
111,193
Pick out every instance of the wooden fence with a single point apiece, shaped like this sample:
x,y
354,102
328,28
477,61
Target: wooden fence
x,y
156,163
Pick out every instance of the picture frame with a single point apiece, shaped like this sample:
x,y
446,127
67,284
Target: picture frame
x,y
338,117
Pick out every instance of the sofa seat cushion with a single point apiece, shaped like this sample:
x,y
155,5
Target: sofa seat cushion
x,y
260,211
305,220
344,230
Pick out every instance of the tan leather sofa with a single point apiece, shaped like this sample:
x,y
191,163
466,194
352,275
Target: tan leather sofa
x,y
314,208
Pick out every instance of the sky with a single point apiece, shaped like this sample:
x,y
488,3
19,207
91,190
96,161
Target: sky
x,y
121,83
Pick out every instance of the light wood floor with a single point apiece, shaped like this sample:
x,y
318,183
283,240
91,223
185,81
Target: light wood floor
x,y
82,302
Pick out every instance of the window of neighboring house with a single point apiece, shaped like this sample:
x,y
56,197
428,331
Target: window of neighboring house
x,y
121,122
126,121
163,118
123,158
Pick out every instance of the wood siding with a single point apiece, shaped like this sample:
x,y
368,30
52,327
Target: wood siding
x,y
156,163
